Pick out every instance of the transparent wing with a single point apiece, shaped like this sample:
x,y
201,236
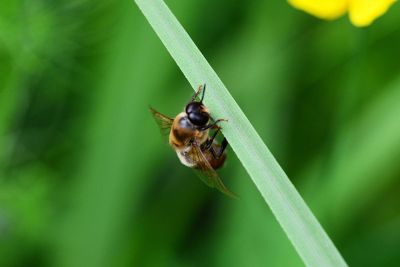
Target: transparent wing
x,y
163,121
206,173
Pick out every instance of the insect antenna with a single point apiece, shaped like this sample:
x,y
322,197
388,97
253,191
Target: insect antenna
x,y
203,93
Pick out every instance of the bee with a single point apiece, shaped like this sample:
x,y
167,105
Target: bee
x,y
189,135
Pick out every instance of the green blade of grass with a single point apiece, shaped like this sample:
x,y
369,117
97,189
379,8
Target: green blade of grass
x,y
300,225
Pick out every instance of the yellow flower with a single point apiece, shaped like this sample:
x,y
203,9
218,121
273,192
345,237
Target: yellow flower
x,y
361,12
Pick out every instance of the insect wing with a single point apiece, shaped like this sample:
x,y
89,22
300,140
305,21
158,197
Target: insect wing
x,y
163,121
206,173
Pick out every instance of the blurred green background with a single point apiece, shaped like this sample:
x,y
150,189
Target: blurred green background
x,y
86,179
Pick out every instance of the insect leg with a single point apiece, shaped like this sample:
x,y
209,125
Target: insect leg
x,y
221,150
212,125
211,140
224,144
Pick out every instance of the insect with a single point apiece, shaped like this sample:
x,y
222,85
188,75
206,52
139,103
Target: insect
x,y
189,135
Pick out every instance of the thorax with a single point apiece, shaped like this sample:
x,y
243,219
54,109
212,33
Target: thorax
x,y
183,131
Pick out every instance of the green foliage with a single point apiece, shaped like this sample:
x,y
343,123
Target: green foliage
x,y
85,179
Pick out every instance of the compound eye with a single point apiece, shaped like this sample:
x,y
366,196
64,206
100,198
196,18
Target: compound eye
x,y
199,118
193,107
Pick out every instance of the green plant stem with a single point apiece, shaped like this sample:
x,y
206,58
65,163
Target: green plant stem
x,y
300,225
